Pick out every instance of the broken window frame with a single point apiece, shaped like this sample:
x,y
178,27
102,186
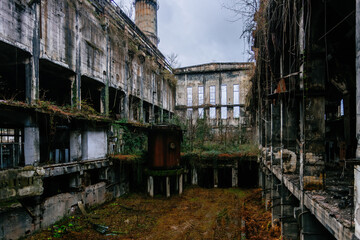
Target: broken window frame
x,y
11,139
189,96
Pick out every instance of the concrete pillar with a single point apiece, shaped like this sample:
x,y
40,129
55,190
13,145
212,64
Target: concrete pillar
x,y
289,226
31,145
216,178
180,184
75,145
234,174
32,64
194,177
314,129
74,181
103,98
268,189
151,186
76,84
125,107
275,201
312,229
167,186
75,91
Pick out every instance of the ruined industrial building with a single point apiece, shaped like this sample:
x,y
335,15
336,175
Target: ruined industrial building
x,y
91,110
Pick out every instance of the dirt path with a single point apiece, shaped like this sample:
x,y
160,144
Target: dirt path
x,y
197,214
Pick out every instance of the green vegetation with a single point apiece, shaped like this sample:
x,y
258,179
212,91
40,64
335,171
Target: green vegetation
x,y
201,138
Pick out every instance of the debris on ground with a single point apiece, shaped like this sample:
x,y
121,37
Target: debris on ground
x,y
197,214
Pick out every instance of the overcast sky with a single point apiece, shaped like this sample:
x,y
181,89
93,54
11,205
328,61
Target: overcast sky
x,y
199,31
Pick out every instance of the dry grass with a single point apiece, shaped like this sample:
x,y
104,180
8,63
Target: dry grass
x,y
197,214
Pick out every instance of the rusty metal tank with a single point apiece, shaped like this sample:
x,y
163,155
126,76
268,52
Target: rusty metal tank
x,y
164,146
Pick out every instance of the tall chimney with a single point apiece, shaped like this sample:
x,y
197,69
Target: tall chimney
x,y
146,18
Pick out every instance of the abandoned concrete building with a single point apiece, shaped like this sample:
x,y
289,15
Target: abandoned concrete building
x,y
215,92
305,105
71,73
78,79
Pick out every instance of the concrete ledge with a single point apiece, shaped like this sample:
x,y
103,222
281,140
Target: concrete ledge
x,y
325,216
74,167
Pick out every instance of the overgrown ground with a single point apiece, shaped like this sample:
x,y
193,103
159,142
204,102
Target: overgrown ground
x,y
197,214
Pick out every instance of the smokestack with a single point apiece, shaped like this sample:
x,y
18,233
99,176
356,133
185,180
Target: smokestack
x,y
146,18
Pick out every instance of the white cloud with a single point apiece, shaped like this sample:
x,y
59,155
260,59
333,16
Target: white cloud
x,y
199,31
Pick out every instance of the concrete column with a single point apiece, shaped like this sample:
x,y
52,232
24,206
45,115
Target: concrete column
x,y
275,201
234,174
167,187
76,84
312,229
75,145
194,177
74,181
125,107
75,92
103,98
314,129
142,118
268,189
151,186
216,178
32,145
32,64
180,184
289,226
32,80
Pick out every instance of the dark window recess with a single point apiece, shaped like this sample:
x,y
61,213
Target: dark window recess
x,y
11,148
55,143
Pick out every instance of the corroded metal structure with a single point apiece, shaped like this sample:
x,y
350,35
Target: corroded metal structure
x,y
164,147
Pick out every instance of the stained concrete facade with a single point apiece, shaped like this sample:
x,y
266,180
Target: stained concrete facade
x,y
69,70
211,90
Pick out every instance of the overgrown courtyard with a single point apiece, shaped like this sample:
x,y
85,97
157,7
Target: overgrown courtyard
x,y
197,214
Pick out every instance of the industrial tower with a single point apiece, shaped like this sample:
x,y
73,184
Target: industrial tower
x,y
146,18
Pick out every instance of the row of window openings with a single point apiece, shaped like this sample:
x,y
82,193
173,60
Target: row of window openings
x,y
212,111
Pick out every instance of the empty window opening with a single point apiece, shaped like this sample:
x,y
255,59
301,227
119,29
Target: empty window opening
x,y
115,97
12,73
91,93
55,84
201,113
223,102
212,102
201,95
11,148
189,96
54,140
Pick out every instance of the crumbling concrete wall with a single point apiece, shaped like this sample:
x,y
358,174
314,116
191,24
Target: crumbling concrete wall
x,y
22,183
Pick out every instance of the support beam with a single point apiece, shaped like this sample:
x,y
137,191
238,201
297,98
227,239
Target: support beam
x,y
32,145
194,177
151,186
275,201
180,184
167,186
234,174
216,178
